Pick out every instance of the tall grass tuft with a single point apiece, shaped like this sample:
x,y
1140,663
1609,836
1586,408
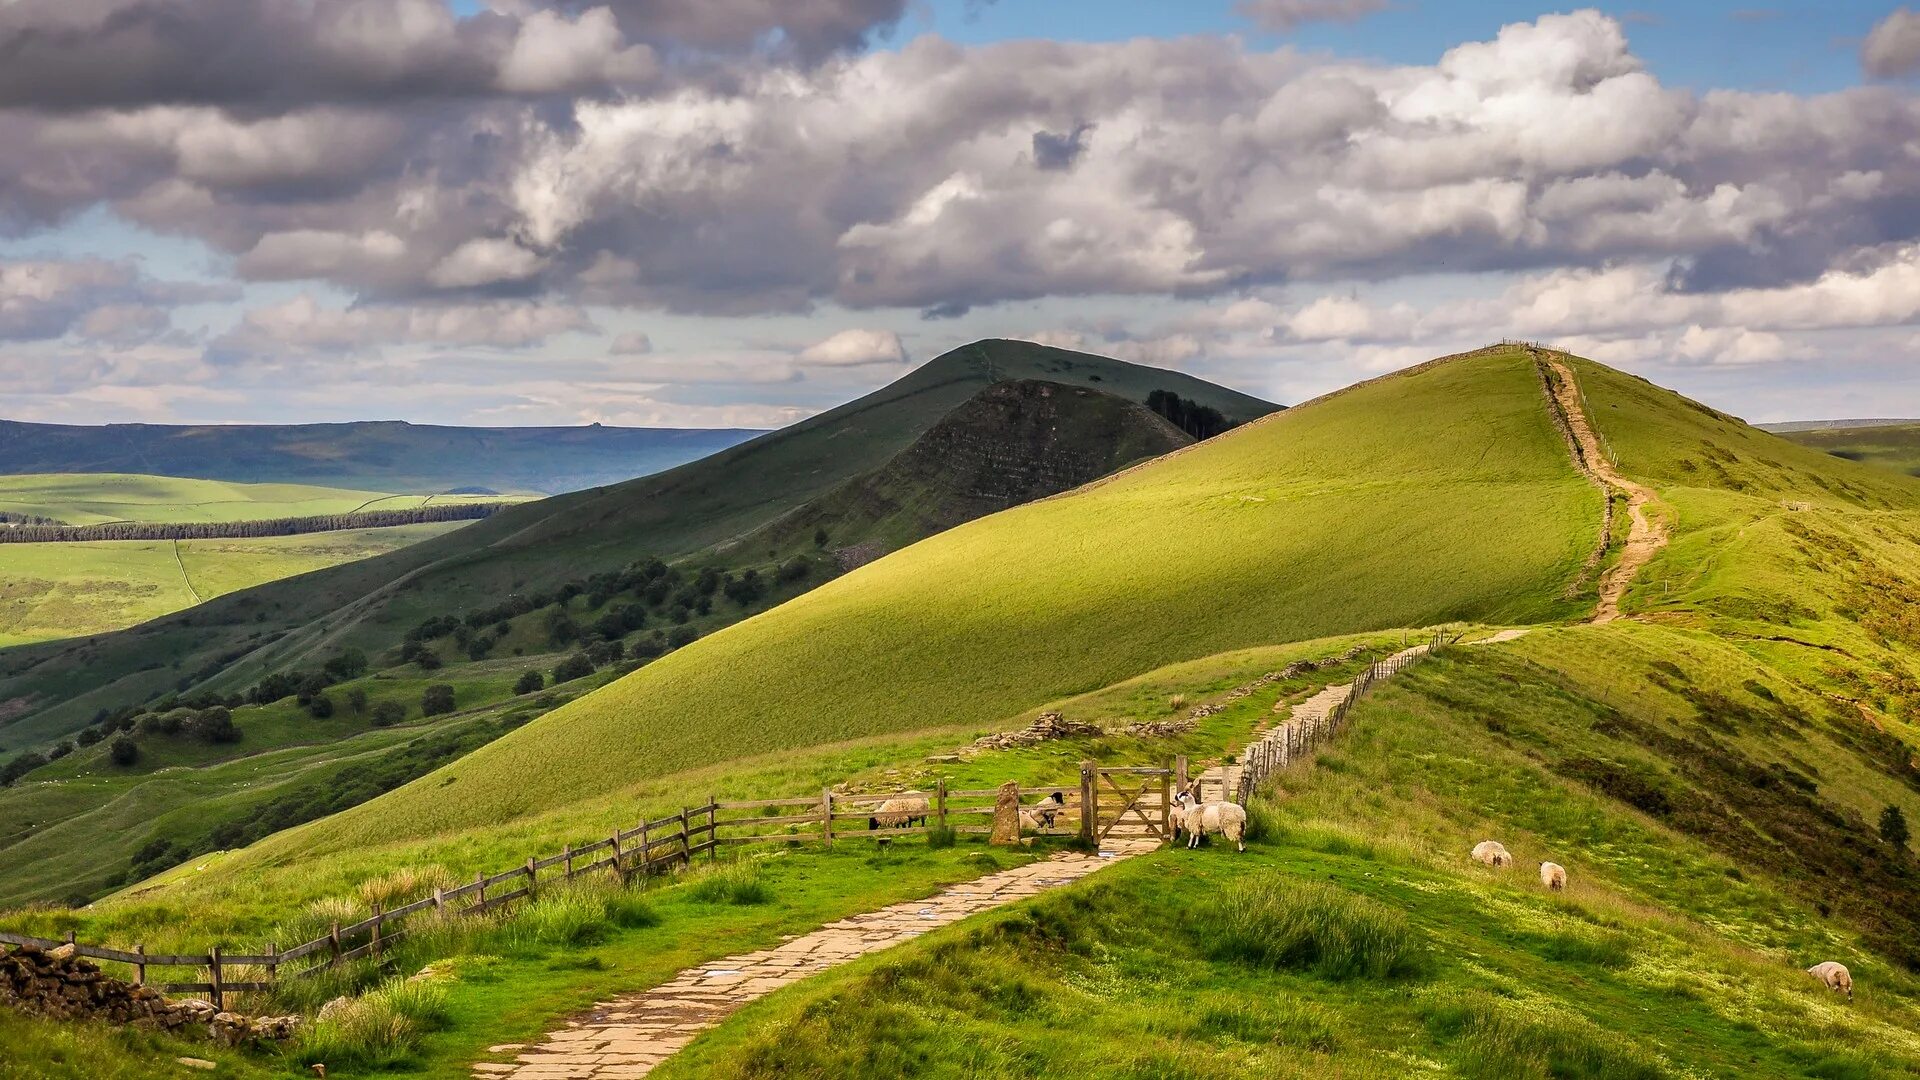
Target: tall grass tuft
x,y
405,885
735,882
579,913
379,1029
941,836
1263,820
1271,921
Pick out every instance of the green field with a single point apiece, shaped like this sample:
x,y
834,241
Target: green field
x,y
98,498
1887,446
1711,770
68,590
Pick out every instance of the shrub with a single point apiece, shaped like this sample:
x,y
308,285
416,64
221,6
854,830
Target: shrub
x,y
1271,921
124,751
681,636
321,707
357,700
577,666
388,713
735,882
1893,826
530,682
437,700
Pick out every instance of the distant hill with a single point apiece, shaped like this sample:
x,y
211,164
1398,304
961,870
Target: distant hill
x,y
1888,444
50,690
387,455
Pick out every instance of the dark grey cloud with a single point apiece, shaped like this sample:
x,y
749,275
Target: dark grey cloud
x,y
1284,15
809,30
1059,151
944,310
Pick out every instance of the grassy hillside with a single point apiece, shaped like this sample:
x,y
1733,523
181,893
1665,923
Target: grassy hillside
x,y
1316,521
93,499
49,691
383,456
1889,446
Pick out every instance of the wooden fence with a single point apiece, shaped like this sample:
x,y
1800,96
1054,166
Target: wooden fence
x,y
648,848
1282,745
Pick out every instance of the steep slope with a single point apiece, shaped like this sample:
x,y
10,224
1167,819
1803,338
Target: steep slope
x,y
1009,444
1441,494
1012,443
382,455
46,691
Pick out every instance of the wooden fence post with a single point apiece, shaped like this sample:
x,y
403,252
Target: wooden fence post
x,y
140,966
1089,804
213,967
1180,772
686,845
617,871
713,829
480,893
533,877
569,856
940,803
646,851
377,920
826,815
1166,805
333,940
273,961
439,900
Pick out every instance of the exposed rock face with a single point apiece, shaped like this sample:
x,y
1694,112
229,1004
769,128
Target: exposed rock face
x,y
58,985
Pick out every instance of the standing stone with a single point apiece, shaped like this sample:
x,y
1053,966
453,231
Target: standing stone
x,y
1006,815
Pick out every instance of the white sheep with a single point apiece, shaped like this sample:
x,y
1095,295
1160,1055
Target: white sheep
x,y
1492,853
1553,875
1835,976
900,812
1203,819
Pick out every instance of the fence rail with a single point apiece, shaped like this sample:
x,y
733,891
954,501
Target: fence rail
x,y
1282,745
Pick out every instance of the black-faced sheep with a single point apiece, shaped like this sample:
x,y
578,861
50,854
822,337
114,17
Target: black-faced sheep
x,y
1836,977
1492,853
1042,814
1553,875
900,812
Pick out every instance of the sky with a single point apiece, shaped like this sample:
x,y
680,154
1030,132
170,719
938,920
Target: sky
x,y
697,213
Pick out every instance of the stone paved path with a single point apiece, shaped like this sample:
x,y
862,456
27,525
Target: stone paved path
x,y
627,1037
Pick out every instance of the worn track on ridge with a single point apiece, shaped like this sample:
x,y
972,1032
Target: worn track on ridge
x,y
1645,535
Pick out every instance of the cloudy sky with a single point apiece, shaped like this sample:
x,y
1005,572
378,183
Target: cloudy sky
x,y
739,212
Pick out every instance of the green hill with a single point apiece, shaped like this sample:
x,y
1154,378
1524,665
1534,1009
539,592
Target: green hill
x,y
1010,443
1412,500
48,691
1889,444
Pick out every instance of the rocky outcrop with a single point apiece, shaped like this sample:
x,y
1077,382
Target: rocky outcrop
x,y
1046,727
57,985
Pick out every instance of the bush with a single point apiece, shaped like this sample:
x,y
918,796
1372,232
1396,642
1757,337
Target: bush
x,y
388,713
321,707
736,882
437,700
530,682
1271,921
124,751
357,701
1893,826
577,666
681,636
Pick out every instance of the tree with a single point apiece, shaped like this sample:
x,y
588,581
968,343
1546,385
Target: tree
x,y
577,666
347,664
321,707
357,700
437,699
388,713
1893,827
428,660
124,751
215,725
530,682
91,736
681,636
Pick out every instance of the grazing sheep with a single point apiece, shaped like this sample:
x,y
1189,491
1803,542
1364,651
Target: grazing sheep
x,y
1836,977
900,812
1492,853
1553,875
1203,819
1042,814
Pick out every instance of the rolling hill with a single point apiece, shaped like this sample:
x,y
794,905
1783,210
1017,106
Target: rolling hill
x,y
48,691
1710,768
1010,443
380,455
1889,444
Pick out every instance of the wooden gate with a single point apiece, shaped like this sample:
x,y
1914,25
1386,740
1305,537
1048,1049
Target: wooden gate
x,y
1125,803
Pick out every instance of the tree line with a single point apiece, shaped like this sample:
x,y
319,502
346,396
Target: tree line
x,y
228,530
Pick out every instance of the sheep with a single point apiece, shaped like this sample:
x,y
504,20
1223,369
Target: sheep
x,y
1201,819
900,812
1553,875
1042,814
1835,976
1492,853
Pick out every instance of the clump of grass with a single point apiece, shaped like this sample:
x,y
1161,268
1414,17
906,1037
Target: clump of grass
x,y
379,1029
1263,820
1176,703
736,882
405,885
1271,921
1500,1041
941,836
578,914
